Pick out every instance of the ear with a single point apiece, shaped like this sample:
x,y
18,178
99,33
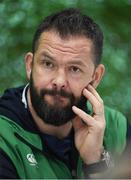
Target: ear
x,y
28,63
99,72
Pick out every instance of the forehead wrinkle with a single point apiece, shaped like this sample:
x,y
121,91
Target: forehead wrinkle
x,y
69,50
65,47
73,61
77,48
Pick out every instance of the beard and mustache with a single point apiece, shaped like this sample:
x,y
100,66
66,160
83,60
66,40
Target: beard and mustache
x,y
56,114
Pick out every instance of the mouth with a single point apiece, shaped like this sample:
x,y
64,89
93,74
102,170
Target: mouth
x,y
56,99
59,97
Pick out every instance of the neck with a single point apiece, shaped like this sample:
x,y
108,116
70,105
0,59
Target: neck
x,y
58,131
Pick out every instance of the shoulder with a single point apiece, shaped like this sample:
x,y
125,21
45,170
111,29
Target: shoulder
x,y
116,129
7,123
7,132
115,118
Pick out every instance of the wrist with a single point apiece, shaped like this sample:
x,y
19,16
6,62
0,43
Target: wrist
x,y
95,156
105,162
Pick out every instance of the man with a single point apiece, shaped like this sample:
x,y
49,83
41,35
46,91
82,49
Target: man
x,y
55,126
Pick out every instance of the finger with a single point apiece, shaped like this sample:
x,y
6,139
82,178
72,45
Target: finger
x,y
94,92
96,104
84,116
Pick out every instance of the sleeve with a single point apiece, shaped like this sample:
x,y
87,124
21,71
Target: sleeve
x,y
7,169
115,132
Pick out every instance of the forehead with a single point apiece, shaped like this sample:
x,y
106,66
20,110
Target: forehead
x,y
72,47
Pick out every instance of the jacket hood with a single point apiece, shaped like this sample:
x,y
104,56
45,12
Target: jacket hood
x,y
13,107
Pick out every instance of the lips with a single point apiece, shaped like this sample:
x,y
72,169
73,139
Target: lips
x,y
58,97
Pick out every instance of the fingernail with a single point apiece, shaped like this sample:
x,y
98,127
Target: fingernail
x,y
85,90
74,108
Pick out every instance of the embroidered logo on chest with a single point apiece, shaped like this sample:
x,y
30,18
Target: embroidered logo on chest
x,y
31,159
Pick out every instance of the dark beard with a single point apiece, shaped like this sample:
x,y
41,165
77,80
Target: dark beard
x,y
54,114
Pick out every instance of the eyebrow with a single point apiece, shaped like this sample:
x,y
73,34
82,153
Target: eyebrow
x,y
77,62
46,55
73,62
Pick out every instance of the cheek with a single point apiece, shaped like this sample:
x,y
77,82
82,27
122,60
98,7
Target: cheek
x,y
77,88
40,79
78,85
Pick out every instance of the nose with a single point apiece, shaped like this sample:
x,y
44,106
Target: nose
x,y
60,80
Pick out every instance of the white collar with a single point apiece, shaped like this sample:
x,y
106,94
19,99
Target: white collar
x,y
24,95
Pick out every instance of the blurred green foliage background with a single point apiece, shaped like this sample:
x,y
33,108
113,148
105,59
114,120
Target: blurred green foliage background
x,y
19,19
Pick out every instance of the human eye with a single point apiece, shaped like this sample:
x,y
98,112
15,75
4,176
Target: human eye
x,y
48,64
75,69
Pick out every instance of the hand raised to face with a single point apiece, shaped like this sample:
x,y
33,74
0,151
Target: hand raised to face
x,y
89,135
